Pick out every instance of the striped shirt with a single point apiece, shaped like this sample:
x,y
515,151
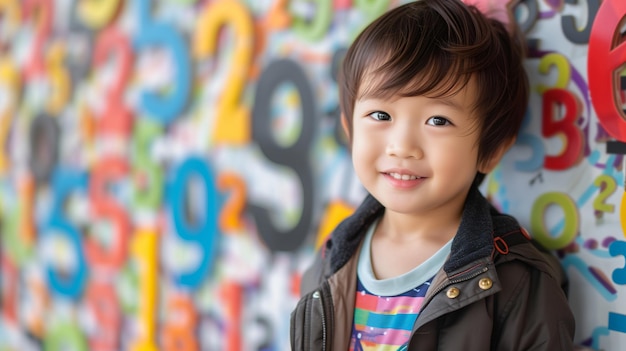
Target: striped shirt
x,y
385,310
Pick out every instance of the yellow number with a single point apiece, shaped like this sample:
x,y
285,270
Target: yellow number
x,y
98,13
145,250
60,81
10,12
12,84
232,118
335,213
563,70
622,213
599,204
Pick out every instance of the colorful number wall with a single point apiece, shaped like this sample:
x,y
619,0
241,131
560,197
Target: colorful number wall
x,y
168,168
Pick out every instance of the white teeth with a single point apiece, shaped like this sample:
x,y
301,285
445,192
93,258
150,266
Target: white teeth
x,y
403,176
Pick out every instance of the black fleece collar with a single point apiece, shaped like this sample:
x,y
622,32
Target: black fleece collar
x,y
473,240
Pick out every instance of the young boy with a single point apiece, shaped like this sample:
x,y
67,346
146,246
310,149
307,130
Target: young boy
x,y
432,95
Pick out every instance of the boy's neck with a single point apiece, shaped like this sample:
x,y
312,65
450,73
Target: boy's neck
x,y
435,227
401,243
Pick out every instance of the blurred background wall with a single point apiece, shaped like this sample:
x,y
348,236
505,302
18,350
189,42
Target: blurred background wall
x,y
168,168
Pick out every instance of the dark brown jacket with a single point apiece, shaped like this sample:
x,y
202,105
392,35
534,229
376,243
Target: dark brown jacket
x,y
496,290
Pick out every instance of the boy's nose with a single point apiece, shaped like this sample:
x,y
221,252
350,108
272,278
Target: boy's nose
x,y
404,143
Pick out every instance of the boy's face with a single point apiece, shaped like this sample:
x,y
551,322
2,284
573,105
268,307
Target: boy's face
x,y
417,155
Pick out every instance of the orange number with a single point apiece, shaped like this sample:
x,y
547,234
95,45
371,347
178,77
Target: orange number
x,y
230,217
179,334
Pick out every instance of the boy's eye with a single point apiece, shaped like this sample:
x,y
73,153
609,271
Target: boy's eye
x,y
437,121
380,116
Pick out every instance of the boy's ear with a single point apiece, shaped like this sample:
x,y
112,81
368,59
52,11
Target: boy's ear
x,y
488,165
346,128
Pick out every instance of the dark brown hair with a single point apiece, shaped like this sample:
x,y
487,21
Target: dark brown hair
x,y
434,48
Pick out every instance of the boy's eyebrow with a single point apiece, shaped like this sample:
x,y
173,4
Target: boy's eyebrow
x,y
449,102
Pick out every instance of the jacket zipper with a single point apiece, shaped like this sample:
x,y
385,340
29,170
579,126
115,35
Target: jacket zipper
x,y
468,277
321,295
318,296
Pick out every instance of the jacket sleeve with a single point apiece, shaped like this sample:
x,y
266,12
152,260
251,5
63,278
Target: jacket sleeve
x,y
532,310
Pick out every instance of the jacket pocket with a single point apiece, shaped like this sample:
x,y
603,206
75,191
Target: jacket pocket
x,y
311,321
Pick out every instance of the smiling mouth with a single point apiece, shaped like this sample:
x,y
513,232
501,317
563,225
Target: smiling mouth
x,y
399,176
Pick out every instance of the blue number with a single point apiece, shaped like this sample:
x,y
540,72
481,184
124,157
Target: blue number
x,y
63,183
151,34
204,232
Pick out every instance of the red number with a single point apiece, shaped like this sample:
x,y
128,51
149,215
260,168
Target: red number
x,y
606,56
565,127
232,296
109,169
117,117
41,10
102,300
9,290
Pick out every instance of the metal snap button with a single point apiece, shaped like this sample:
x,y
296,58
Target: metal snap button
x,y
453,292
485,283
